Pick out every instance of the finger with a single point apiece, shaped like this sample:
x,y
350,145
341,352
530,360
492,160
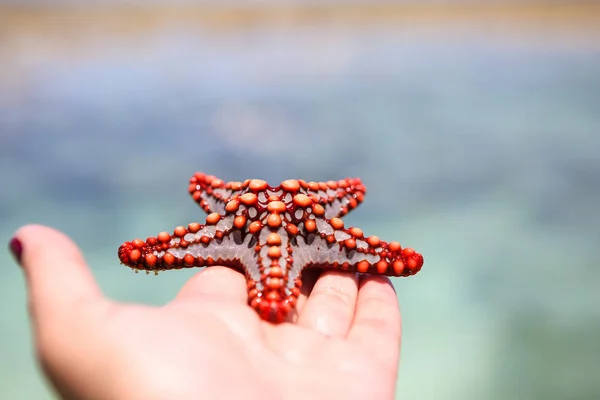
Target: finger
x,y
56,273
377,323
330,307
217,283
309,278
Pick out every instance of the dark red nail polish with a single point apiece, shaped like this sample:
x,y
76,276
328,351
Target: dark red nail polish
x,y
16,248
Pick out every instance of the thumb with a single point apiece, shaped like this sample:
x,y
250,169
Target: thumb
x,y
64,301
56,273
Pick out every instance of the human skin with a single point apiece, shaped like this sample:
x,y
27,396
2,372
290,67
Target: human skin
x,y
207,342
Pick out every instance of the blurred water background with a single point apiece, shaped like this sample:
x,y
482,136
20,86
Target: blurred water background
x,y
475,127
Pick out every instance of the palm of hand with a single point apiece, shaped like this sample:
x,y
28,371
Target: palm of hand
x,y
207,342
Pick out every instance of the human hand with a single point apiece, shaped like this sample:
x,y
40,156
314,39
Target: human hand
x,y
207,342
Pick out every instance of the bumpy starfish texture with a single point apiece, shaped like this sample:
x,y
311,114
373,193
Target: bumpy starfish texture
x,y
272,234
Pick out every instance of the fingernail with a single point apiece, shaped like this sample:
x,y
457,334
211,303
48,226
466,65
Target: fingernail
x,y
16,248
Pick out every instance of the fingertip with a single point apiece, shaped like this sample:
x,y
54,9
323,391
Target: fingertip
x,y
379,284
217,282
330,307
35,238
377,323
377,297
55,270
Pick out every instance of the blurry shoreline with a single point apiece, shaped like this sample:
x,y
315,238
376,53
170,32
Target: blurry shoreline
x,y
566,17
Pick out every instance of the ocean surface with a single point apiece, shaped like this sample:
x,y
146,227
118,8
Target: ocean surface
x,y
480,150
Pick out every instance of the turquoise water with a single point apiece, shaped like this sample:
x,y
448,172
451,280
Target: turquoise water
x,y
481,152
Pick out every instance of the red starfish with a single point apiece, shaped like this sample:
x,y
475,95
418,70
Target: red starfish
x,y
273,234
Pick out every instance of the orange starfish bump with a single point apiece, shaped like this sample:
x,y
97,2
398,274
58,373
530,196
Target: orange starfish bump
x,y
273,234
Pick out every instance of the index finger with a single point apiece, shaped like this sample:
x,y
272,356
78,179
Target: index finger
x,y
377,323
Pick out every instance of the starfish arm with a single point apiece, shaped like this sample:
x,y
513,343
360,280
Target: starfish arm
x,y
216,242
337,197
273,295
211,193
331,246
